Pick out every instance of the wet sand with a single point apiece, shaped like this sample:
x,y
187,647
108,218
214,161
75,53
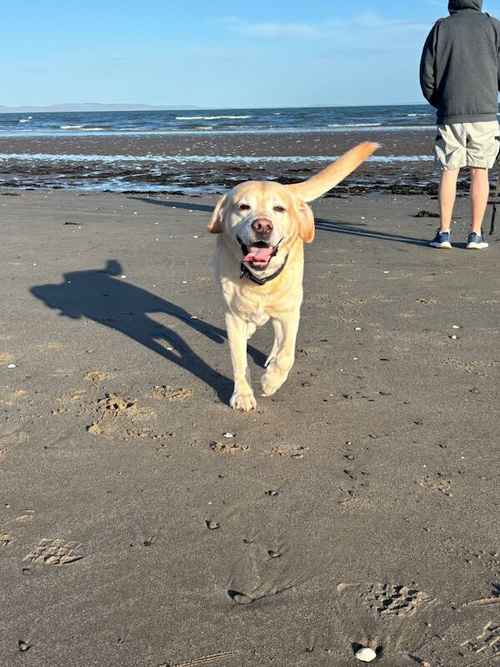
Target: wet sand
x,y
400,142
359,504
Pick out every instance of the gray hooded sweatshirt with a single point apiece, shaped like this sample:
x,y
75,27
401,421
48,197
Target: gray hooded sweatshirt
x,y
459,70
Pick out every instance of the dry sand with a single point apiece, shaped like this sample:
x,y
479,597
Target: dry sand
x,y
359,504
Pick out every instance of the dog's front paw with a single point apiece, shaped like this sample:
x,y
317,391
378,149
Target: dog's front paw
x,y
272,380
244,401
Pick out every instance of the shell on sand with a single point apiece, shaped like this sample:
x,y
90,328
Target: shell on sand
x,y
366,655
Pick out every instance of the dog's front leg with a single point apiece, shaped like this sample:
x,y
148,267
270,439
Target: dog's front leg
x,y
281,360
237,332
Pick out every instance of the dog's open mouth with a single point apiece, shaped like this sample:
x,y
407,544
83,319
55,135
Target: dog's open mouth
x,y
259,254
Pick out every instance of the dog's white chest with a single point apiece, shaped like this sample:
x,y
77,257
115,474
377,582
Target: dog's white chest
x,y
252,309
259,318
246,303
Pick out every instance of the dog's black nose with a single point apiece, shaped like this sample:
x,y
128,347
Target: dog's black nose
x,y
262,226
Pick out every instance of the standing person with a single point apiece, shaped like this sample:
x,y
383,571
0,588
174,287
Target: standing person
x,y
459,76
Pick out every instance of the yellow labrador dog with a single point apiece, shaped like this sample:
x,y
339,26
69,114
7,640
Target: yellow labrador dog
x,y
259,264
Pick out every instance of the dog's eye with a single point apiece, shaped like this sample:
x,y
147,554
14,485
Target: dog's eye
x,y
244,207
279,209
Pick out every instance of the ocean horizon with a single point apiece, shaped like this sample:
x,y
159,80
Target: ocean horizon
x,y
248,120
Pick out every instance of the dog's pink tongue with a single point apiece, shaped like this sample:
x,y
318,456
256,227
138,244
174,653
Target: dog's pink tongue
x,y
258,255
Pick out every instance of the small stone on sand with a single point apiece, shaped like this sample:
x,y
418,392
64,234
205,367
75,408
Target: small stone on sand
x,y
212,525
239,598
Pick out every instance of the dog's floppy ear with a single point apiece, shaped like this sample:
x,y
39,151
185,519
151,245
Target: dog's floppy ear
x,y
216,221
305,220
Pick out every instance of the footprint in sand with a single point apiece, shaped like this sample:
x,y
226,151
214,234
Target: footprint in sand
x,y
112,410
55,552
123,418
385,600
166,393
487,644
399,601
213,659
228,448
96,376
439,484
290,451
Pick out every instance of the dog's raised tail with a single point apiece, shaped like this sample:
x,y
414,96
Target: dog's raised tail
x,y
328,178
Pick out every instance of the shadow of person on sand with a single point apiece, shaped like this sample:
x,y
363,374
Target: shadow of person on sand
x,y
350,229
99,295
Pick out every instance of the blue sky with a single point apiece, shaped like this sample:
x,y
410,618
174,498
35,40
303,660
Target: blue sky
x,y
217,53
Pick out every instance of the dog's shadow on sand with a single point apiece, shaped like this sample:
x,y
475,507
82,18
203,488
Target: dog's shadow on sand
x,y
102,296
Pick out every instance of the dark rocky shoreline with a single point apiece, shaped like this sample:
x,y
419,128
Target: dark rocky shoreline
x,y
194,164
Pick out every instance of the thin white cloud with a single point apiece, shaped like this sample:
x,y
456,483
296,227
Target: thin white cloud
x,y
272,30
374,21
367,22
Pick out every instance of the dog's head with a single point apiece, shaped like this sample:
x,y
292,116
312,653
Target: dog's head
x,y
264,218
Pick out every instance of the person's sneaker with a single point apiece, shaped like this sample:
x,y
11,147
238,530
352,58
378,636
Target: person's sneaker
x,y
476,242
441,240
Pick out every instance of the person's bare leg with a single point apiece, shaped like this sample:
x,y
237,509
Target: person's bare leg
x,y
447,196
479,194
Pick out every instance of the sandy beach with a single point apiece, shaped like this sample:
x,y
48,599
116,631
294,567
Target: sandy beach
x,y
144,523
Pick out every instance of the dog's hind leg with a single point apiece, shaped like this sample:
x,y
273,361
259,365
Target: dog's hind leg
x,y
278,341
251,329
280,366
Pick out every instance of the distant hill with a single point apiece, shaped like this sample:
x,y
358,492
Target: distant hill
x,y
68,108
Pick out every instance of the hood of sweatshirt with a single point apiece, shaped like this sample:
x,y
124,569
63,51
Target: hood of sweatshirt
x,y
457,5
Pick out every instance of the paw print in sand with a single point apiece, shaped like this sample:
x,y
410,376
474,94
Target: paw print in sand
x,y
402,601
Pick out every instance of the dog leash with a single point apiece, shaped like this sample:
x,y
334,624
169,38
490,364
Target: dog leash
x,y
494,213
493,219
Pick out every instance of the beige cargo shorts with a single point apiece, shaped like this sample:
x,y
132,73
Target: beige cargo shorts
x,y
467,145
